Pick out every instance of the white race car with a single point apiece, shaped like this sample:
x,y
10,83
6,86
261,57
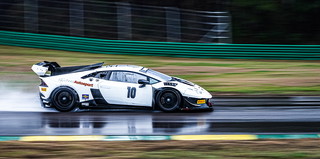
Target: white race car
x,y
116,86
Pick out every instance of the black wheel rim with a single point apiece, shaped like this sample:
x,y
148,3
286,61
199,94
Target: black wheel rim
x,y
65,100
168,100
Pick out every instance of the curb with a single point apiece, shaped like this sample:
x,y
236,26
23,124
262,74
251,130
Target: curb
x,y
172,137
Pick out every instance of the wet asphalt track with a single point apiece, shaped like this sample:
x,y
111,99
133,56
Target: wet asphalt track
x,y
224,120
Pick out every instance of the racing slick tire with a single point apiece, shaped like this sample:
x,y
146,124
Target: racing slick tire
x,y
65,99
168,100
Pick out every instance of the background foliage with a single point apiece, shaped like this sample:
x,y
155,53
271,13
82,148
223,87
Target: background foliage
x,y
253,21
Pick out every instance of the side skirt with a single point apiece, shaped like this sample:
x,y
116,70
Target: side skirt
x,y
93,105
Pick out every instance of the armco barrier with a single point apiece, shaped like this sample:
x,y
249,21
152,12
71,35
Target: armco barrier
x,y
174,49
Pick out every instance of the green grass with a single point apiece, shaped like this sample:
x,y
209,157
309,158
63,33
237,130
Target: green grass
x,y
221,76
224,154
262,149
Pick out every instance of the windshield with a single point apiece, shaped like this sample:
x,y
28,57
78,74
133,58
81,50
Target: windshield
x,y
162,76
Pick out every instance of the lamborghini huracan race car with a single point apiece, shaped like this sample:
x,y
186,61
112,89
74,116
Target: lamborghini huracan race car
x,y
116,86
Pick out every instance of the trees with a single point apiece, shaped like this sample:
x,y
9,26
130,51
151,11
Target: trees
x,y
276,21
260,21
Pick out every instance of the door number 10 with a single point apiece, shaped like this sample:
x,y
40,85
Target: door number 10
x,y
131,92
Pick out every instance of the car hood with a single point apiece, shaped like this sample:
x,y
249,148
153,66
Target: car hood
x,y
190,89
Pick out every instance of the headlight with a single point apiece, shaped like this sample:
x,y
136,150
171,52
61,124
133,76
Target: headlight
x,y
198,91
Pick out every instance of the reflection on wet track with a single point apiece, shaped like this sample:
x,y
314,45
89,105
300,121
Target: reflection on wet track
x,y
225,120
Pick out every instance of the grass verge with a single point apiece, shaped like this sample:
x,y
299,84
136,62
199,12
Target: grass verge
x,y
262,149
221,76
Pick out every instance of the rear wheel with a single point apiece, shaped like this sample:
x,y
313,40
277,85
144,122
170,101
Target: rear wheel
x,y
65,99
168,100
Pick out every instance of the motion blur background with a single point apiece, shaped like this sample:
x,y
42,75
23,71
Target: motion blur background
x,y
263,35
238,49
217,21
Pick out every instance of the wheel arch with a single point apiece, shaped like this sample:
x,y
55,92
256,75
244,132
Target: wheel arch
x,y
63,86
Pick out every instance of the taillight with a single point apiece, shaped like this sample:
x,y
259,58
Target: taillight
x,y
43,84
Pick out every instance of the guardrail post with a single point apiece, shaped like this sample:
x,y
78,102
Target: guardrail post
x,y
173,24
221,30
76,18
31,16
124,21
224,31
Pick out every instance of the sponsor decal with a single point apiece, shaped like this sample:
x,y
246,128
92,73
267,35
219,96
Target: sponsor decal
x,y
84,84
85,96
170,84
202,101
65,80
43,89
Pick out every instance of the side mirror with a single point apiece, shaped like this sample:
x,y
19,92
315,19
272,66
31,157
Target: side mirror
x,y
143,82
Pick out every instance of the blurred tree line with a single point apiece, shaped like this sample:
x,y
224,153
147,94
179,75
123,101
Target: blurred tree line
x,y
253,21
263,21
276,21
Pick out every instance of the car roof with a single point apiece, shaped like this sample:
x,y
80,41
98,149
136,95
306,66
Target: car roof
x,y
133,68
123,67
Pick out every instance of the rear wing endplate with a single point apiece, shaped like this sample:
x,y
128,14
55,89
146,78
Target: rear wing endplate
x,y
42,68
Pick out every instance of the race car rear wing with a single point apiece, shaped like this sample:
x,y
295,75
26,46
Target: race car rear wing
x,y
46,68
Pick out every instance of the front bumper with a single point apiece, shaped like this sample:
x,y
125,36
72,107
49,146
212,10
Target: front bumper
x,y
193,104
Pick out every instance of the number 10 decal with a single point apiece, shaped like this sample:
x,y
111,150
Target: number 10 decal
x,y
131,92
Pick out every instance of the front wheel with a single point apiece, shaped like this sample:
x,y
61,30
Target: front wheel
x,y
168,100
65,99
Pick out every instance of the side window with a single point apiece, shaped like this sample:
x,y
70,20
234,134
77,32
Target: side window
x,y
90,75
153,81
134,77
117,76
129,77
102,75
